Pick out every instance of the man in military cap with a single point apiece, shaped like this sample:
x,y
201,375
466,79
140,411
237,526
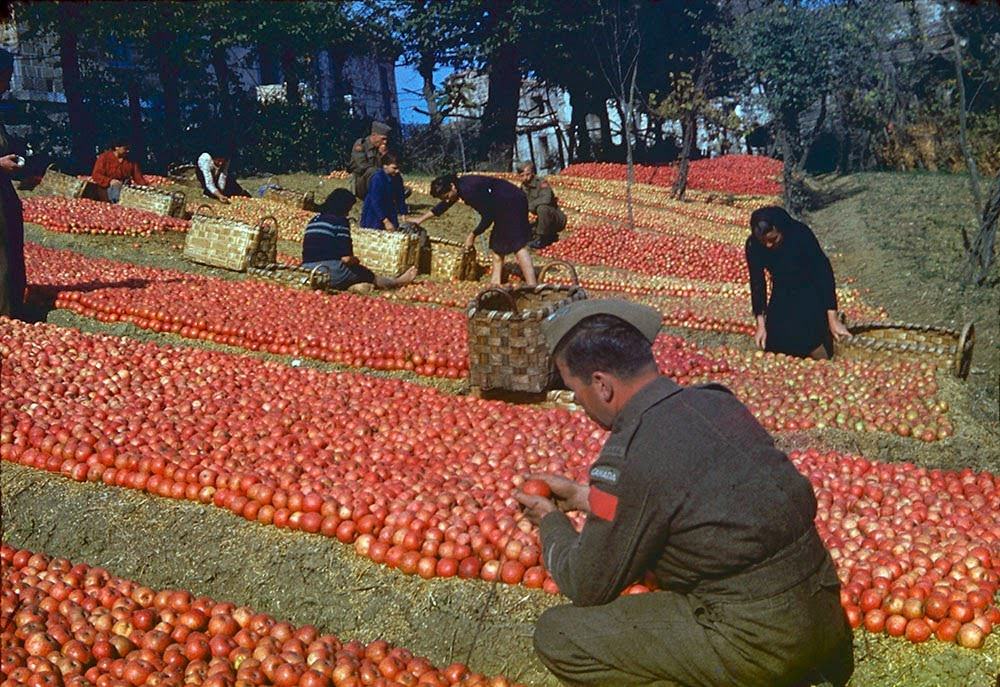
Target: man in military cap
x,y
690,489
546,218
365,156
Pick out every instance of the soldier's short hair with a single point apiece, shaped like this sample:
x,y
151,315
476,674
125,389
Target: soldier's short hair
x,y
605,343
521,166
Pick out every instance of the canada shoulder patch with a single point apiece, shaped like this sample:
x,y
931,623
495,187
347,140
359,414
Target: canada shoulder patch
x,y
602,504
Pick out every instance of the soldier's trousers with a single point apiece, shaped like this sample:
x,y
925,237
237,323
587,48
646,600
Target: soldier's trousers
x,y
665,638
550,222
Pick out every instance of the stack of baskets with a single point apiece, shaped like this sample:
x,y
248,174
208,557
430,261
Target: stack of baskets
x,y
507,349
386,252
951,348
151,199
55,183
231,245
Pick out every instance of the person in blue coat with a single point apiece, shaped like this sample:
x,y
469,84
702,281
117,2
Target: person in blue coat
x,y
500,204
385,200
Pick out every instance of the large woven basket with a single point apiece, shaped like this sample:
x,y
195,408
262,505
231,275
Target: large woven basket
x,y
450,260
152,199
184,174
231,245
951,348
506,347
386,252
55,183
299,201
316,279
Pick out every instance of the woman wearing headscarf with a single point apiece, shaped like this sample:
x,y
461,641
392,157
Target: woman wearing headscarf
x,y
800,318
12,272
500,204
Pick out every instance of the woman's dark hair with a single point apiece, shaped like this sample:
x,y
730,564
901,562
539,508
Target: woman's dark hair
x,y
118,142
605,343
443,184
339,202
763,220
390,158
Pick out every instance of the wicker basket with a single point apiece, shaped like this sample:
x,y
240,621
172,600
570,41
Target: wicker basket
x,y
506,347
951,348
450,260
55,183
184,174
151,199
315,279
231,245
386,252
299,201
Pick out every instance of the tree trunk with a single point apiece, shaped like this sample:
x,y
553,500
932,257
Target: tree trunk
x,y
425,68
499,131
170,83
629,161
81,121
136,138
290,70
979,259
689,127
606,145
222,78
579,140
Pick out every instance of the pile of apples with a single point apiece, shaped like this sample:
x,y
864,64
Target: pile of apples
x,y
751,175
258,315
85,216
917,551
686,256
73,625
423,481
891,395
659,220
291,221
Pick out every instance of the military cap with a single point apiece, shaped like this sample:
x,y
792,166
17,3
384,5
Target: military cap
x,y
557,325
381,129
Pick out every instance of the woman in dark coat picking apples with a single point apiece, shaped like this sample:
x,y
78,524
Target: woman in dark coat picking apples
x,y
800,318
500,204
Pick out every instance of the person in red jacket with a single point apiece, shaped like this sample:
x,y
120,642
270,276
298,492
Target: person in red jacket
x,y
113,169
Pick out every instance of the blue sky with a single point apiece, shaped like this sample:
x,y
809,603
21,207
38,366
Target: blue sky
x,y
407,79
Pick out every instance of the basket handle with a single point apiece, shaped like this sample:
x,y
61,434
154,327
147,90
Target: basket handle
x,y
262,223
503,292
204,206
314,271
560,263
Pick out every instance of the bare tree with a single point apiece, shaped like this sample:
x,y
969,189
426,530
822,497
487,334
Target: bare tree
x,y
618,51
980,248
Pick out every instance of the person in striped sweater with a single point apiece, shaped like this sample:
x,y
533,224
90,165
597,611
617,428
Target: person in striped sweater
x,y
327,243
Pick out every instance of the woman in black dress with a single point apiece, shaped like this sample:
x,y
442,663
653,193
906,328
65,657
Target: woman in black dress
x,y
499,203
801,316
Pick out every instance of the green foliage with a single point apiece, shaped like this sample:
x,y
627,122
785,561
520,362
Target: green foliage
x,y
285,137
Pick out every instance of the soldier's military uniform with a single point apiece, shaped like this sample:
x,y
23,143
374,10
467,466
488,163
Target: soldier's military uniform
x,y
690,487
542,201
365,160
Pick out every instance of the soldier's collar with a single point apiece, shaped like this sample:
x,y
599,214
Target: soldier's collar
x,y
648,396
